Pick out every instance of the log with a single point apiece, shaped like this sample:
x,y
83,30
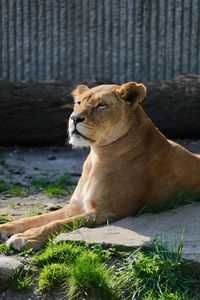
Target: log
x,y
35,113
174,106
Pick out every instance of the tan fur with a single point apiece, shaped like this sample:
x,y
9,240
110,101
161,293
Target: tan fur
x,y
131,165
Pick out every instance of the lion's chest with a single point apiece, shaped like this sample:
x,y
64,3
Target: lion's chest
x,y
109,188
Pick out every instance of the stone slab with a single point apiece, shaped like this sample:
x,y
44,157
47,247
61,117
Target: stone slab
x,y
171,227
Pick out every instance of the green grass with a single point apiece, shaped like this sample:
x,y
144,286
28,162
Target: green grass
x,y
17,191
57,253
90,277
183,197
51,276
3,186
21,280
155,272
13,205
5,219
52,189
59,187
40,182
93,272
4,249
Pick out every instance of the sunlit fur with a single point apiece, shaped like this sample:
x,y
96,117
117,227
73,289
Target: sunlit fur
x,y
102,126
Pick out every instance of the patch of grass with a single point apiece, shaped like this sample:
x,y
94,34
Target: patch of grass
x,y
57,253
3,186
21,280
6,250
54,191
52,276
33,212
2,160
27,252
13,205
183,197
40,182
90,277
155,274
5,219
56,188
93,272
13,190
17,191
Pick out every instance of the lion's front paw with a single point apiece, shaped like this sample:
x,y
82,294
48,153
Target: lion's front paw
x,y
26,240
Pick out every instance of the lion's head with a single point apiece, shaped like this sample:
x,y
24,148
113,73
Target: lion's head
x,y
104,113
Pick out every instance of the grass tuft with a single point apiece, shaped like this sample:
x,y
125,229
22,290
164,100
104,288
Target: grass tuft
x,y
90,277
52,276
154,274
6,250
183,197
58,253
21,280
40,182
3,186
5,219
56,188
17,191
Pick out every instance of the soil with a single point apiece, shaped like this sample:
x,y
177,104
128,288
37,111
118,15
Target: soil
x,y
22,165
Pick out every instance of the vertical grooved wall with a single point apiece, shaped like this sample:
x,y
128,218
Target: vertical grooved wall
x,y
115,40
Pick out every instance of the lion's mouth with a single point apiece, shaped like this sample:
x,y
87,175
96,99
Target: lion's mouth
x,y
76,132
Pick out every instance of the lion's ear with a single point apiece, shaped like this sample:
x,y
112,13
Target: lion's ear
x,y
132,92
80,89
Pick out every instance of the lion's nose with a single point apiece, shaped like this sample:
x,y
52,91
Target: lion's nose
x,y
77,119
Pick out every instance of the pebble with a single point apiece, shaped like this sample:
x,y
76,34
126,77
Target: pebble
x,y
52,206
51,157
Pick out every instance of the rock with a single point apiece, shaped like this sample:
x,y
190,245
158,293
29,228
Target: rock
x,y
17,172
8,265
51,157
170,227
28,176
52,206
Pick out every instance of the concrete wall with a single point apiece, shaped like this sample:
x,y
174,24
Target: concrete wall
x,y
117,40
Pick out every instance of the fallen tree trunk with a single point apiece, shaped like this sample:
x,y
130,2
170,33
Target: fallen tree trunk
x,y
35,113
174,106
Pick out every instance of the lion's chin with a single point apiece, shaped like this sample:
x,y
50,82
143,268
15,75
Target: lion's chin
x,y
78,141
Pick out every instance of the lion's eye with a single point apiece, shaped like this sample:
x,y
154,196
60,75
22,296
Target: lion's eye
x,y
102,106
78,102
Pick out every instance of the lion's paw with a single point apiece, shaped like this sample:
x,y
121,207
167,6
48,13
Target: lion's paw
x,y
22,241
16,243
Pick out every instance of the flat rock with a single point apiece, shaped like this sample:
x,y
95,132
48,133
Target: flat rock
x,y
8,265
170,227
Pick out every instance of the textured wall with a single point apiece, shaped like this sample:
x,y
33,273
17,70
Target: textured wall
x,y
118,40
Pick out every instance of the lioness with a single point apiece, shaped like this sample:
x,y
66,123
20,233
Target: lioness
x,y
130,165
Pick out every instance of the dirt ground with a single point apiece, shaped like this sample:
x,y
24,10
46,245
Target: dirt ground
x,y
24,164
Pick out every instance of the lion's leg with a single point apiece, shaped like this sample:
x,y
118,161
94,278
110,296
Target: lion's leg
x,y
21,225
36,237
